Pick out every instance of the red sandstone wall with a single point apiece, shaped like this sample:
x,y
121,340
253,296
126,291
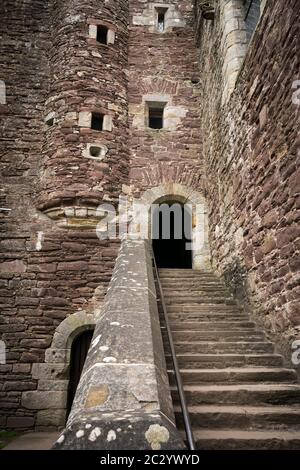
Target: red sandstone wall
x,y
165,63
252,168
85,76
47,272
250,177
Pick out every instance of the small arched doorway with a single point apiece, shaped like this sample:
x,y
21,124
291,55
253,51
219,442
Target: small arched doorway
x,y
171,232
79,350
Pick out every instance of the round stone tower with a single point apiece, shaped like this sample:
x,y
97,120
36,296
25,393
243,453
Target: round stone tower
x,y
84,158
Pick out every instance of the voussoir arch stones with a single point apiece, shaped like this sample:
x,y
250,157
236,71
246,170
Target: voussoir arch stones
x,y
66,332
186,195
50,398
182,193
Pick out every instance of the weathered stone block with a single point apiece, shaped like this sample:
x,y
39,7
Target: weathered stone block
x,y
19,422
51,418
40,400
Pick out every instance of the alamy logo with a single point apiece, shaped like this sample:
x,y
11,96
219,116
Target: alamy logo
x,y
2,353
296,353
296,94
138,221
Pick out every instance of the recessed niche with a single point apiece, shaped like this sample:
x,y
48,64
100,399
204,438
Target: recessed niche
x,y
95,151
50,122
50,119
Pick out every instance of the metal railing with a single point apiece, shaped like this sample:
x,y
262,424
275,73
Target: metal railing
x,y
183,404
248,10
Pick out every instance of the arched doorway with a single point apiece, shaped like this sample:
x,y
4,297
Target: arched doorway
x,y
79,350
171,231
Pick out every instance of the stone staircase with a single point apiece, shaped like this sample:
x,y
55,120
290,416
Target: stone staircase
x,y
239,394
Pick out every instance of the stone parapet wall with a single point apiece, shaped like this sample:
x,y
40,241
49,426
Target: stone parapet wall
x,y
123,399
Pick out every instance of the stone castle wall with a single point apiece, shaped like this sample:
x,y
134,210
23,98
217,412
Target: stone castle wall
x,y
163,66
252,160
230,133
51,260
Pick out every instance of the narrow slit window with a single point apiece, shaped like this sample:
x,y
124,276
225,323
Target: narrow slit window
x,y
161,19
97,121
156,116
102,33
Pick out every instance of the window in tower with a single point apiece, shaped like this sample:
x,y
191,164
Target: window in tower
x,y
156,115
161,19
102,33
97,121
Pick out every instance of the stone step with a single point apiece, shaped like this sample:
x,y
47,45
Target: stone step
x,y
237,439
180,280
192,307
246,417
212,301
186,273
212,317
220,347
198,297
191,280
218,336
235,375
182,288
194,294
195,361
237,325
240,394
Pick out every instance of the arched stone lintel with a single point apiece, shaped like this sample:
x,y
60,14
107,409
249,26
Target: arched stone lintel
x,y
71,327
185,193
50,398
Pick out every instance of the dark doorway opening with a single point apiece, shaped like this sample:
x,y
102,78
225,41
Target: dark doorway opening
x,y
79,350
172,235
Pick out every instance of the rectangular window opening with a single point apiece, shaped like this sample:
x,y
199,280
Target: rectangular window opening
x,y
97,121
161,19
102,32
156,115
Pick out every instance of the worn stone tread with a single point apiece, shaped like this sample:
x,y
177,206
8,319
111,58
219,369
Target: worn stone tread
x,y
211,439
